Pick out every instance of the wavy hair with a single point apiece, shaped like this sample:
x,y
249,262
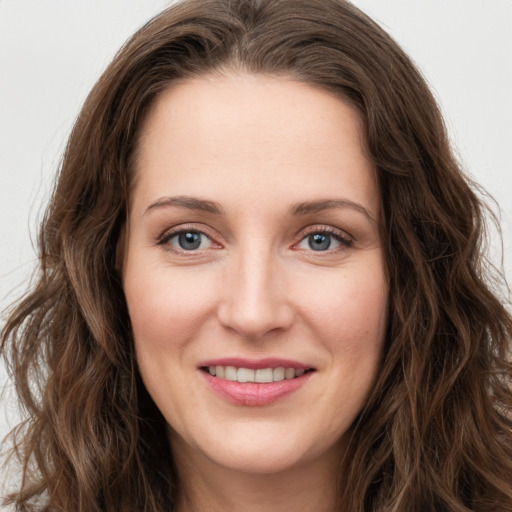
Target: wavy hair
x,y
436,433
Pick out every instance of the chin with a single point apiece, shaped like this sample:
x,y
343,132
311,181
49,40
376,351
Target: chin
x,y
256,460
266,451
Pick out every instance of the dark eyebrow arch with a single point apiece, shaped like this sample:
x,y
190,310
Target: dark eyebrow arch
x,y
309,207
190,203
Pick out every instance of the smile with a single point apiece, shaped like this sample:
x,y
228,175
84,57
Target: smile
x,y
262,375
249,382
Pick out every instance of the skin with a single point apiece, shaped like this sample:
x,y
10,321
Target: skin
x,y
255,287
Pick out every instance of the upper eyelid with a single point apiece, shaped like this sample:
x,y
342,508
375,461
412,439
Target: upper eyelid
x,y
322,228
180,228
169,234
173,234
345,240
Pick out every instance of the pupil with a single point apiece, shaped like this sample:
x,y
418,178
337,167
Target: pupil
x,y
319,242
189,241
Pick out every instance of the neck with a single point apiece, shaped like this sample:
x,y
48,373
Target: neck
x,y
207,487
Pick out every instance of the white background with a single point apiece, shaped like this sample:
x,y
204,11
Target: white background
x,y
52,52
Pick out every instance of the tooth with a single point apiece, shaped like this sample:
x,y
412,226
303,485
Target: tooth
x,y
245,375
278,373
264,375
230,373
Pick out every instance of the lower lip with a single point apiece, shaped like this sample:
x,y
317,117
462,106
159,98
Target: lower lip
x,y
254,393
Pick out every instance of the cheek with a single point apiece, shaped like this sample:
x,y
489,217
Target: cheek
x,y
350,312
365,314
166,309
167,312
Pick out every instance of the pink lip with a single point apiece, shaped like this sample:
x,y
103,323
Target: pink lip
x,y
254,393
252,364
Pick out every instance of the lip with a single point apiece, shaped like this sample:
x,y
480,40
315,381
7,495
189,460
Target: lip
x,y
256,364
254,393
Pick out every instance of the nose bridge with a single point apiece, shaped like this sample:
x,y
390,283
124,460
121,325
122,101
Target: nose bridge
x,y
255,301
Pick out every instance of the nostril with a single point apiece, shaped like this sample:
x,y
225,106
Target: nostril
x,y
256,321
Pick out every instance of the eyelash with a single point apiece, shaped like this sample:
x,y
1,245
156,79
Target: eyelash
x,y
169,235
344,241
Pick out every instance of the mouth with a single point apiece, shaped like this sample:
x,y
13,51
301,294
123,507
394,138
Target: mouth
x,y
248,382
260,375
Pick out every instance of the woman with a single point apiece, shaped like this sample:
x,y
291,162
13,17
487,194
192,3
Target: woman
x,y
261,283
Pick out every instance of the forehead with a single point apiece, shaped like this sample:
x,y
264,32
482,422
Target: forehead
x,y
233,133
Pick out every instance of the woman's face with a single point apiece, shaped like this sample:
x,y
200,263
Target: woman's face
x,y
252,253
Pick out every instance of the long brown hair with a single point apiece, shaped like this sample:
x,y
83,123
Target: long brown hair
x,y
436,433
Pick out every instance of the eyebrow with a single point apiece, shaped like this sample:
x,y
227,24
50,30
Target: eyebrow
x,y
190,203
320,205
298,209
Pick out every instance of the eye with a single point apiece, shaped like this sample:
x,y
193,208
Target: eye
x,y
320,241
187,240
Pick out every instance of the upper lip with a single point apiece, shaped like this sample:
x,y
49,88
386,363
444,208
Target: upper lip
x,y
256,364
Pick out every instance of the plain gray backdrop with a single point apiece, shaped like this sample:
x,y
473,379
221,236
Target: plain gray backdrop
x,y
52,52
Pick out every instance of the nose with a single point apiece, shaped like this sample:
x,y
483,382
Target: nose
x,y
255,302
